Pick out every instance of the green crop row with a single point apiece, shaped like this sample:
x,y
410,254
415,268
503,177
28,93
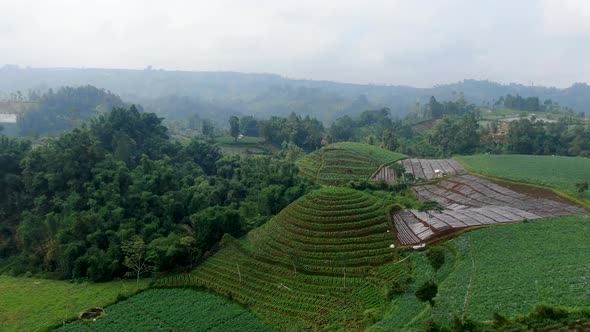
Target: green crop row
x,y
172,310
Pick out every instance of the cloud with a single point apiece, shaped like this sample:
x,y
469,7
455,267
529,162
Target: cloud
x,y
394,42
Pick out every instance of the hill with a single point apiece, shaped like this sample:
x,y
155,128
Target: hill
x,y
561,173
339,163
263,95
325,260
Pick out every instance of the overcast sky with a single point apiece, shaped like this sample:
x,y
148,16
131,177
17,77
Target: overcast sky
x,y
409,42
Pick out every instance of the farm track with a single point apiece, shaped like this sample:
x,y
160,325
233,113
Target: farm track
x,y
468,201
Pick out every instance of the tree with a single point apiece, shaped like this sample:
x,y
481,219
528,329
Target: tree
x,y
436,258
135,257
389,140
581,187
234,127
249,126
427,292
208,129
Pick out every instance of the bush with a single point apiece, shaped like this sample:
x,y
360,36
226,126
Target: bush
x,y
436,258
427,292
545,311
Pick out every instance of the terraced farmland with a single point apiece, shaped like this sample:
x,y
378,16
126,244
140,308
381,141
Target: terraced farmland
x,y
421,168
341,162
471,201
172,310
325,259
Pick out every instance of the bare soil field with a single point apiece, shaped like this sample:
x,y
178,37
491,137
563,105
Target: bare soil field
x,y
422,168
470,201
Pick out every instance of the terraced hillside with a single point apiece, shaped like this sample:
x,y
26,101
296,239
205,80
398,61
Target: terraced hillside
x,y
325,259
341,162
471,201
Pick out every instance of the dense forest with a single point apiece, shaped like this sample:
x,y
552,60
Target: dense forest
x,y
70,203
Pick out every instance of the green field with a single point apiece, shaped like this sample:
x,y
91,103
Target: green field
x,y
506,269
30,304
560,173
243,146
323,261
340,163
172,310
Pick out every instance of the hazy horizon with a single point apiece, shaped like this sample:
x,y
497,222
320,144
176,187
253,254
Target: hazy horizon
x,y
419,43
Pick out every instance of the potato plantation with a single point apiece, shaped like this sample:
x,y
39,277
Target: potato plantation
x,y
506,269
172,310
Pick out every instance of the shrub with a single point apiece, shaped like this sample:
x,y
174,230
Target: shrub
x,y
436,258
427,292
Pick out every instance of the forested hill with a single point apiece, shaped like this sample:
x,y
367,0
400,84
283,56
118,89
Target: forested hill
x,y
221,94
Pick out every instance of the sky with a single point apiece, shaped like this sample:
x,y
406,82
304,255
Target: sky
x,y
399,42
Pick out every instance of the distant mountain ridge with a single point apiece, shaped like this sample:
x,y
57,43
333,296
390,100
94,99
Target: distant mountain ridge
x,y
264,95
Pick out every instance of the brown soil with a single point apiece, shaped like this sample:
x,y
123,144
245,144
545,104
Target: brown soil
x,y
535,192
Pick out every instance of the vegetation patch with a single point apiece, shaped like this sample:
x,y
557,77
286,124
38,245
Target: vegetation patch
x,y
340,163
172,310
560,173
31,304
501,271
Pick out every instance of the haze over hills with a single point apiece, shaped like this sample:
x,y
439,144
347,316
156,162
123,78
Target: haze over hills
x,y
221,94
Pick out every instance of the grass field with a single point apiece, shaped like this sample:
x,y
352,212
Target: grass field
x,y
341,162
507,269
172,310
556,172
30,304
323,261
243,146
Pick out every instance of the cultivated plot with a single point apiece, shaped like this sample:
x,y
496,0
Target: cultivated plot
x,y
470,201
422,168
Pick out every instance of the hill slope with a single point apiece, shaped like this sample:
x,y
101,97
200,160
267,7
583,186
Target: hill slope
x,y
339,163
325,259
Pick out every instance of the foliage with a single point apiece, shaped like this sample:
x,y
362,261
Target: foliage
x,y
22,299
76,199
307,133
427,292
436,257
136,260
451,136
560,173
234,127
65,109
172,309
581,187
